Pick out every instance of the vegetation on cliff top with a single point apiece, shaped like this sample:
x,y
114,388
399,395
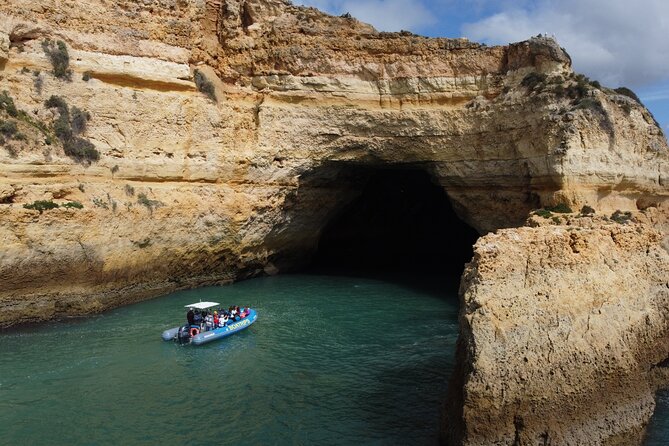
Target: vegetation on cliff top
x,y
580,90
627,92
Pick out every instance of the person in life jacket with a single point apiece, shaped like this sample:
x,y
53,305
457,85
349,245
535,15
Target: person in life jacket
x,y
197,318
209,321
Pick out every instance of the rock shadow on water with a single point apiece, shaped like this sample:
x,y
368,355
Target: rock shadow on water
x,y
405,404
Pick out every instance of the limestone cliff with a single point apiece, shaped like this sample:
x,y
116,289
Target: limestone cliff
x,y
209,141
565,330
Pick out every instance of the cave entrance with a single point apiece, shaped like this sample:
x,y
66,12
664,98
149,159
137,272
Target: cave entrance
x,y
400,221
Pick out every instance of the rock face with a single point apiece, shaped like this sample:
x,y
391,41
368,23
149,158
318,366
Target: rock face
x,y
236,174
564,333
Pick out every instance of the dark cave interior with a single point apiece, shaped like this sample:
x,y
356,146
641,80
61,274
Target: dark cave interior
x,y
401,222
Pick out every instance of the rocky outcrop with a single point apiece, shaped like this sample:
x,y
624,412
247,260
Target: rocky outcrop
x,y
564,333
236,175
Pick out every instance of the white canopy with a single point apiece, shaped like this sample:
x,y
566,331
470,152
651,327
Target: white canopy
x,y
203,305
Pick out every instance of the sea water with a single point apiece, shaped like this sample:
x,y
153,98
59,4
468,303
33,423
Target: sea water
x,y
330,360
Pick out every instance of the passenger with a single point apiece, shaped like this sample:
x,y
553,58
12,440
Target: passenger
x,y
209,321
197,318
190,316
224,320
216,319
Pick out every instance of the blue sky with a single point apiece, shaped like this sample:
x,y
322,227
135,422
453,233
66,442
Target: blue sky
x,y
618,42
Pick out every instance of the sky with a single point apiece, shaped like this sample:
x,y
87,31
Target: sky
x,y
618,42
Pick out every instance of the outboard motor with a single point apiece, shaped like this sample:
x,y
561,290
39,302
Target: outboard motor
x,y
183,335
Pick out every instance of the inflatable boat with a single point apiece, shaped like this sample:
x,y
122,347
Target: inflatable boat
x,y
197,335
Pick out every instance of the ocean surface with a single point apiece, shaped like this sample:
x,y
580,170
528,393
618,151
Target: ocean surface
x,y
331,360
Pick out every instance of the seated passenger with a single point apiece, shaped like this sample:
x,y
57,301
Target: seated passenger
x,y
224,320
216,320
197,318
209,321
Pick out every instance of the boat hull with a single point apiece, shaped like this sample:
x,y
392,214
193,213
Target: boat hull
x,y
220,333
216,334
170,334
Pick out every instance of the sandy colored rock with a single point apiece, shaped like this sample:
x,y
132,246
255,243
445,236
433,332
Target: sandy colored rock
x,y
4,47
190,191
564,333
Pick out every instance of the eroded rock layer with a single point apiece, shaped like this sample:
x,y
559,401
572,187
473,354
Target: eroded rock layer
x,y
191,142
565,330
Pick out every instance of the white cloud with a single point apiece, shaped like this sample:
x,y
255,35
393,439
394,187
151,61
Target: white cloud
x,y
384,15
616,41
655,95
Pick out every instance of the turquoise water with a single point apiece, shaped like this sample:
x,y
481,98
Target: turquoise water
x,y
331,360
658,430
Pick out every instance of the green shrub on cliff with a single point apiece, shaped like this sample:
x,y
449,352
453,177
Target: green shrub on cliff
x,y
59,103
544,213
627,92
7,104
204,85
41,205
621,217
80,149
148,203
79,120
73,205
560,209
587,210
59,57
547,212
590,104
68,126
8,128
533,79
